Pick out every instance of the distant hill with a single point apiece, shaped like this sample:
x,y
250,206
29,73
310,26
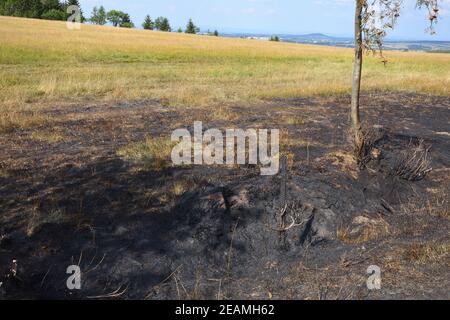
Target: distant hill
x,y
316,36
347,42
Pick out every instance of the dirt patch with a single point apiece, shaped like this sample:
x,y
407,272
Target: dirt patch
x,y
227,232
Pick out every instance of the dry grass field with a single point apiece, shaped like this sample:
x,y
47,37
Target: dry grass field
x,y
86,178
42,64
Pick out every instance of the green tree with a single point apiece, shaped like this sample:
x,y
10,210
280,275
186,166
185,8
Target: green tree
x,y
148,23
126,21
191,27
115,17
127,25
30,8
275,38
21,8
162,24
44,9
54,14
98,16
166,25
180,30
158,23
7,8
216,33
47,5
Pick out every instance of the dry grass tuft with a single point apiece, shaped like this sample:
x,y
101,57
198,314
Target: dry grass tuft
x,y
48,137
11,120
179,188
294,120
153,153
439,207
428,253
363,229
39,220
4,173
345,161
223,113
413,164
167,194
434,205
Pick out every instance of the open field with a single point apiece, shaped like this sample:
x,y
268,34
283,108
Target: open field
x,y
86,177
42,63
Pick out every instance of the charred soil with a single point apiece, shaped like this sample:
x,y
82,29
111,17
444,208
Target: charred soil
x,y
203,232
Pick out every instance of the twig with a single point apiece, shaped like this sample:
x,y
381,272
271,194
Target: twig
x,y
292,225
45,276
166,279
81,257
176,285
231,246
182,286
115,294
98,264
220,287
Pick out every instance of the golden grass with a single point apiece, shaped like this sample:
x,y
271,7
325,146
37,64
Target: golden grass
x,y
436,204
38,220
48,137
153,153
19,119
362,230
168,194
44,63
221,113
4,173
428,253
294,120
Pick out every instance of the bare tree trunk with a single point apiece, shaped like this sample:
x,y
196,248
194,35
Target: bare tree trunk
x,y
357,70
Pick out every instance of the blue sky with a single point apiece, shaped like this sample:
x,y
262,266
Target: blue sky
x,y
334,17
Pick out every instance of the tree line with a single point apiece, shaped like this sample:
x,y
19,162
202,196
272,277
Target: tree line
x,y
57,10
122,19
39,9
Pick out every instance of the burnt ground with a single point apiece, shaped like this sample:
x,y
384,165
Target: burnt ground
x,y
227,235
